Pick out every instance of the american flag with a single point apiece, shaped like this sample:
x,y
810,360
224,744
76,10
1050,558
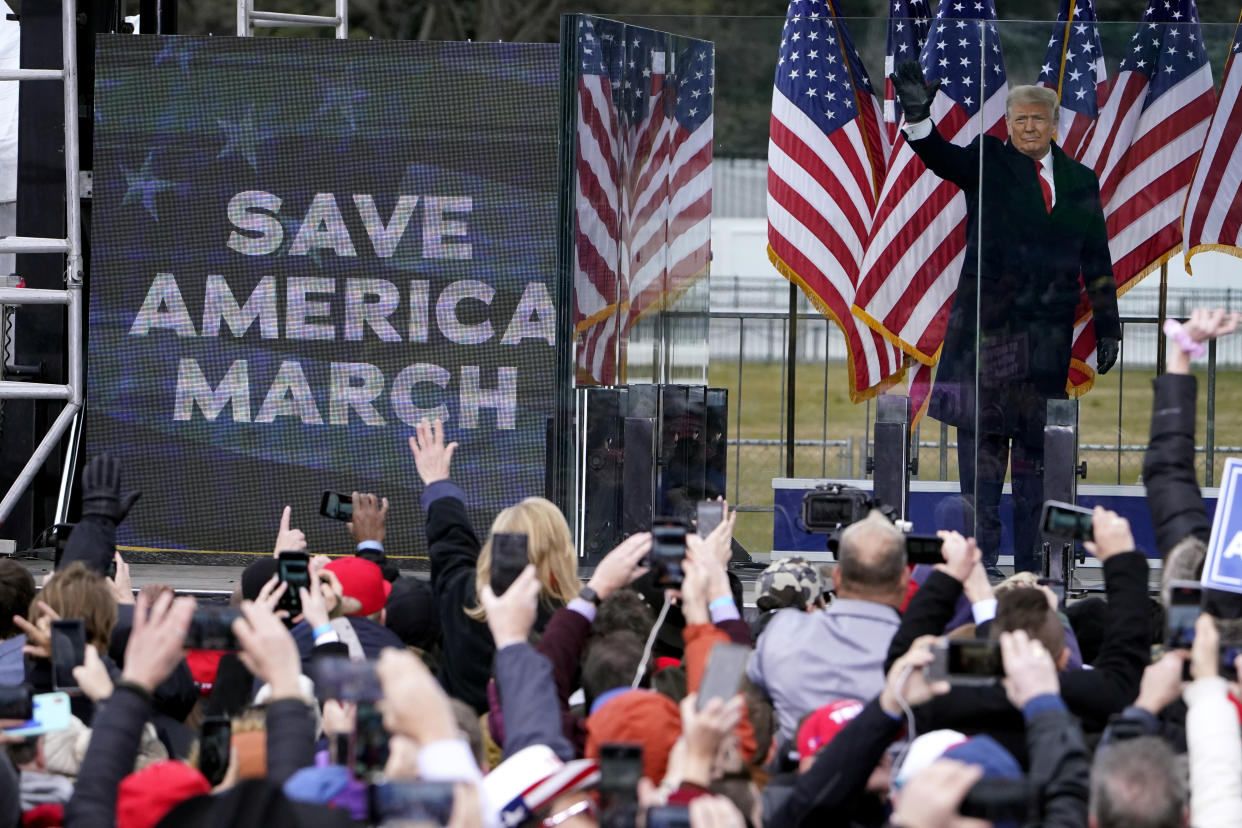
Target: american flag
x,y
1144,148
826,153
907,32
643,192
669,180
1074,69
600,298
918,239
1212,219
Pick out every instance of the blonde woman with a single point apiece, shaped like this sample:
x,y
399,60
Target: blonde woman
x,y
461,565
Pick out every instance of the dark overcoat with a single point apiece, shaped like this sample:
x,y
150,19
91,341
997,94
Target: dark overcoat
x,y
1033,264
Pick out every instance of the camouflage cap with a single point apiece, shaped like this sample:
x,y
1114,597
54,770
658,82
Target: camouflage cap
x,y
794,572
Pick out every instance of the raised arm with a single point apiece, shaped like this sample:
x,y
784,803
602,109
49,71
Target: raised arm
x,y
1173,495
935,604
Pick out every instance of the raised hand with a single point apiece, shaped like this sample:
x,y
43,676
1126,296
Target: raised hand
x,y
960,555
370,514
1029,668
1112,534
907,679
101,490
288,539
122,588
1205,325
157,639
913,91
432,457
268,650
621,566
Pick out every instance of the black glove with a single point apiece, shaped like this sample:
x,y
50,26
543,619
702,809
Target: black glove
x,y
1106,348
913,92
101,490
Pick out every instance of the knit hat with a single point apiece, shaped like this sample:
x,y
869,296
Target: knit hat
x,y
529,780
412,613
144,797
819,728
793,572
644,716
255,575
363,581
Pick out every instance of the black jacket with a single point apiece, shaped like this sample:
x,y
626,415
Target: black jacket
x,y
832,791
1173,495
468,647
1021,275
1091,695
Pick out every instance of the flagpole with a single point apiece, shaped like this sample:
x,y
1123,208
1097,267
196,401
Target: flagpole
x,y
791,362
1163,314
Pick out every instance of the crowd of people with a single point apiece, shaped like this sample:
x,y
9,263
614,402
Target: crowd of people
x,y
382,698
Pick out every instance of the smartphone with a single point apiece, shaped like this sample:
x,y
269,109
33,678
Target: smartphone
x,y
966,661
340,678
723,677
17,702
924,549
620,768
668,550
212,629
710,515
68,651
336,506
1185,604
51,713
421,802
111,573
1001,800
214,740
370,742
668,816
293,568
509,558
1065,520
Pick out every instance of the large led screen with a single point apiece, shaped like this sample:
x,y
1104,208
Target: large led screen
x,y
299,249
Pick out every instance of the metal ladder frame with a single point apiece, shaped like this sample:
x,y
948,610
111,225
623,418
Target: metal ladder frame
x,y
73,392
248,17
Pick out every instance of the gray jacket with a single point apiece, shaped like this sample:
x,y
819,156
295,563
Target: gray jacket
x,y
804,661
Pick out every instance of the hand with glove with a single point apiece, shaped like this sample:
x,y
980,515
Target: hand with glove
x,y
101,490
1106,349
913,92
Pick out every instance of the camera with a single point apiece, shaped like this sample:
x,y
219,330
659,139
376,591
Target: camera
x,y
833,506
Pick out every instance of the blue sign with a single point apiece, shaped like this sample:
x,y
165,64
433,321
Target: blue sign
x,y
1223,568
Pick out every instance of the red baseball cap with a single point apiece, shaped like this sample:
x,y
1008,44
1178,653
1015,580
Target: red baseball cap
x,y
819,728
363,581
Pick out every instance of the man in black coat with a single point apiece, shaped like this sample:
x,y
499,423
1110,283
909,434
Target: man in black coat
x,y
1035,234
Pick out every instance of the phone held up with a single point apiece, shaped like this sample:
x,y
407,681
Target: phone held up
x,y
336,506
293,569
509,557
668,550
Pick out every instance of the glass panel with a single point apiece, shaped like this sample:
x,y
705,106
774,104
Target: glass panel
x,y
642,204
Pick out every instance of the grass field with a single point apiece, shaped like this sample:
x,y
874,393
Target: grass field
x,y
1116,411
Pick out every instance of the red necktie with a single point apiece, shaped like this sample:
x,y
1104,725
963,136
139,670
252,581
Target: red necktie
x,y
1044,186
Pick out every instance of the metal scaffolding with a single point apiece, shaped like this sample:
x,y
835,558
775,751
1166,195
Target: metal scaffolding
x,y
73,392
